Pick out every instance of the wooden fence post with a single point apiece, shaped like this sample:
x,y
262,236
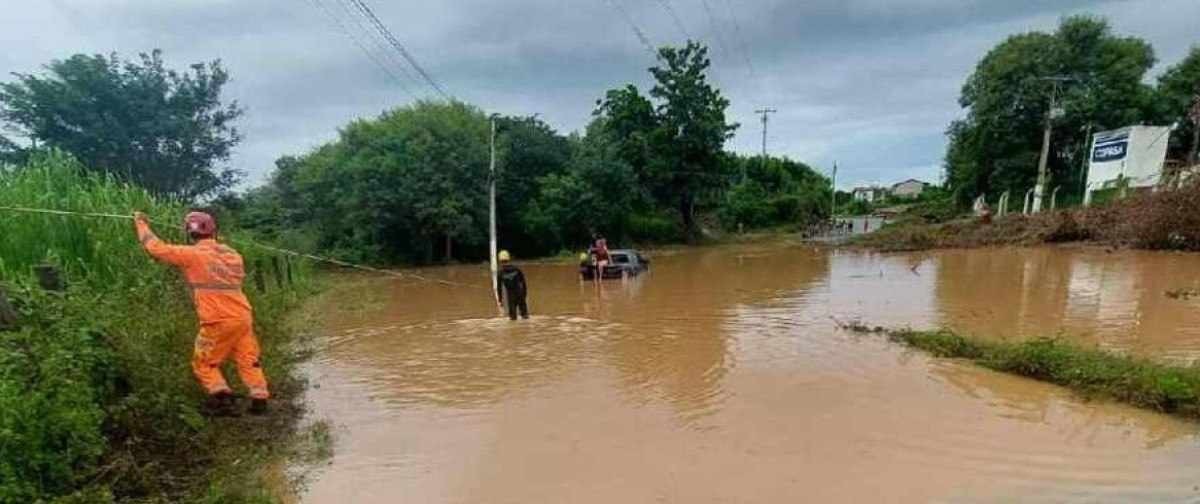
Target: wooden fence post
x,y
258,276
287,261
278,271
50,278
8,316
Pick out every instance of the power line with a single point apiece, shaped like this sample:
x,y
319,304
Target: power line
x,y
373,57
636,31
675,17
380,45
737,31
712,22
387,34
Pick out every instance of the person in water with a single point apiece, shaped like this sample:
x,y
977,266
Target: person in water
x,y
510,282
599,250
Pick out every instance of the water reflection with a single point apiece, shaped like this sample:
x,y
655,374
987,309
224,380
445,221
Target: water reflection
x,y
1114,300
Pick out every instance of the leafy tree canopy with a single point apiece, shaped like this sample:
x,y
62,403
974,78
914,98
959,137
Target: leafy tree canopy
x,y
166,130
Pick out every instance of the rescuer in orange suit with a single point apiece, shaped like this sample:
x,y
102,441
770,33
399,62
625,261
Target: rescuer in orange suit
x,y
214,272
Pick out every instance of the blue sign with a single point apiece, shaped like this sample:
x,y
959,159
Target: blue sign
x,y
1110,151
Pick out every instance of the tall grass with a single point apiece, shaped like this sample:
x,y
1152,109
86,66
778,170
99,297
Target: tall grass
x,y
1088,371
97,401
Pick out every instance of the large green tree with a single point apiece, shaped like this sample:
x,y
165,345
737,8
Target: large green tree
x,y
166,130
405,186
1098,77
528,150
692,131
1178,93
675,144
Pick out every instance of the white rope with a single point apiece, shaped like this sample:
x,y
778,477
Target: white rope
x,y
293,253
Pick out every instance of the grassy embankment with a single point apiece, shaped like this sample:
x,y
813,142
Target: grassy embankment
x,y
97,400
1089,372
1164,220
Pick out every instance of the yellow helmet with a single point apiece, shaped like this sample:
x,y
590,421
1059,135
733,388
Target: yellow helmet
x,y
503,256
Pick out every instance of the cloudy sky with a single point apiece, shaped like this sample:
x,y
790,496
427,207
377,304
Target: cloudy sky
x,y
870,84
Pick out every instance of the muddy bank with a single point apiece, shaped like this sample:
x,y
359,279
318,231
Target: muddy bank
x,y
1165,220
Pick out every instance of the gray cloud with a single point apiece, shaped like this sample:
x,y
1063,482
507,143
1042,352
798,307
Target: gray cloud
x,y
870,84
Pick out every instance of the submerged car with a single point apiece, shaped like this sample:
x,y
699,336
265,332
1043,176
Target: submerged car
x,y
621,263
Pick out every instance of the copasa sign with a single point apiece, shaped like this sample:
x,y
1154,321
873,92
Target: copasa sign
x,y
1110,149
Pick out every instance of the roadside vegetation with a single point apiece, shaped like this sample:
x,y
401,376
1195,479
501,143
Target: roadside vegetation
x,y
1168,219
1090,372
97,399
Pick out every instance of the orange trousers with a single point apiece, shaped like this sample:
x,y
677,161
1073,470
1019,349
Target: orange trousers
x,y
215,343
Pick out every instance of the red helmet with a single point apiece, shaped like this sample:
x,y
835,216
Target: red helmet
x,y
200,224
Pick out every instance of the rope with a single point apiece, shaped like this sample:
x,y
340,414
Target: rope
x,y
65,212
251,243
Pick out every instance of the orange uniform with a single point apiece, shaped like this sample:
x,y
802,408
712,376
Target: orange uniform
x,y
215,272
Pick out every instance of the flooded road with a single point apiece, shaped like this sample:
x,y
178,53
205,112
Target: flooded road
x,y
721,376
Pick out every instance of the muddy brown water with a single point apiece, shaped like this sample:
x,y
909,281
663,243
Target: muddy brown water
x,y
721,376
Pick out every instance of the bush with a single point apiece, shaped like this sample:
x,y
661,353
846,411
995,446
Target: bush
x,y
654,227
105,365
745,204
1166,219
55,375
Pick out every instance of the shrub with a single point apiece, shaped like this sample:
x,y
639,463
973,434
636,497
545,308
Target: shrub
x,y
654,227
745,204
105,365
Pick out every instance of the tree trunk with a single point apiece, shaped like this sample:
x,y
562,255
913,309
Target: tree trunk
x,y
449,248
687,209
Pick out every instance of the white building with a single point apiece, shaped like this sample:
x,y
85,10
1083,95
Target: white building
x,y
869,194
908,189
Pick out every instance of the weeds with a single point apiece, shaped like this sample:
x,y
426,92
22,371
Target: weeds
x,y
1090,372
97,401
1167,219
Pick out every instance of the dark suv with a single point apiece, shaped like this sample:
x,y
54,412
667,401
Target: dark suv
x,y
628,263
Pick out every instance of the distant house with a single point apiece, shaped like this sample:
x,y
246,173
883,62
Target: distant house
x,y
869,194
908,189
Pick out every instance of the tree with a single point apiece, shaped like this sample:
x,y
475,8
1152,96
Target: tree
x,y
528,150
692,131
165,130
395,188
996,147
1178,93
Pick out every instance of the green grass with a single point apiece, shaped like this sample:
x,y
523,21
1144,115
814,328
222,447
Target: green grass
x,y
1088,371
97,400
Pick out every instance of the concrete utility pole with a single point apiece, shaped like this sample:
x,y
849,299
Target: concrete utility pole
x,y
1039,191
833,192
1088,145
492,207
1195,116
763,112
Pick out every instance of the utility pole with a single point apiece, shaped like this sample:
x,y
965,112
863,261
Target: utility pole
x,y
1039,191
492,206
1087,158
1195,116
763,112
833,192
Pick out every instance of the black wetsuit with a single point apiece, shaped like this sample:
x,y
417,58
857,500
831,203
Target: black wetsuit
x,y
511,280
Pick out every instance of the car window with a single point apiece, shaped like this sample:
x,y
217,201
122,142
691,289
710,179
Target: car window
x,y
620,259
